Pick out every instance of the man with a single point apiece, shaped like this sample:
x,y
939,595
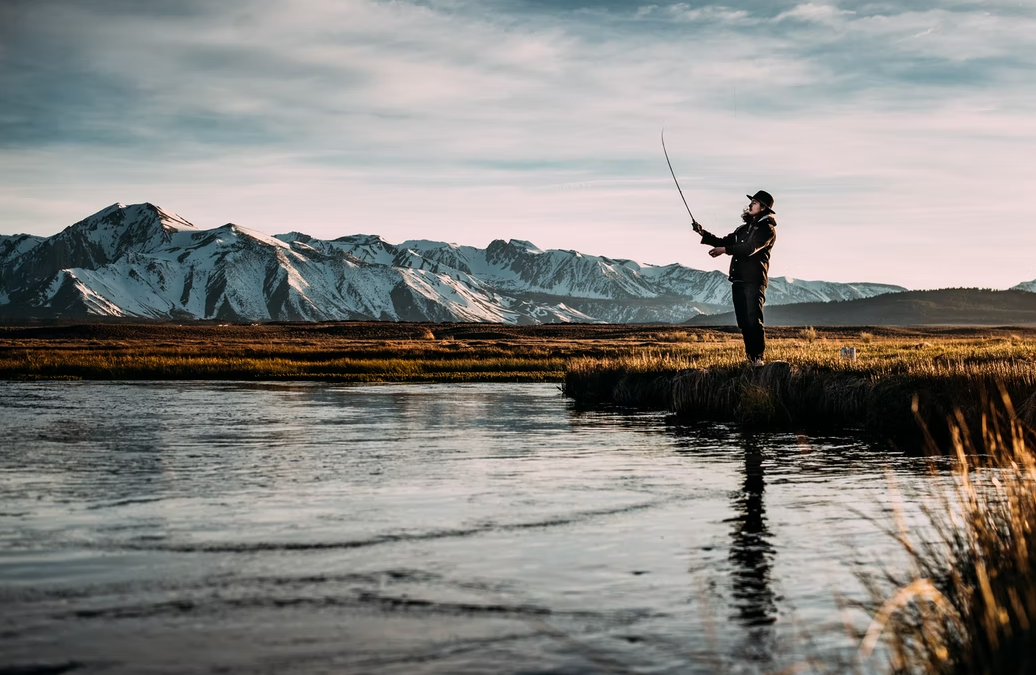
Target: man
x,y
749,247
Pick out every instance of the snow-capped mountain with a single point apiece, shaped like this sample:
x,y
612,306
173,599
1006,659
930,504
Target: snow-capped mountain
x,y
142,261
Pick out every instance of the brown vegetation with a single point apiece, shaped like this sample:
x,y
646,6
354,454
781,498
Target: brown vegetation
x,y
808,385
352,351
390,351
967,604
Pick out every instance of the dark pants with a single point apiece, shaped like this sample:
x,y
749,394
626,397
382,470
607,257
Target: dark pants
x,y
748,308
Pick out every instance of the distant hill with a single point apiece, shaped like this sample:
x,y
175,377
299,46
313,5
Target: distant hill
x,y
948,306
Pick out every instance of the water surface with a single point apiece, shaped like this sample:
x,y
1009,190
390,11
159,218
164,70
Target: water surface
x,y
228,527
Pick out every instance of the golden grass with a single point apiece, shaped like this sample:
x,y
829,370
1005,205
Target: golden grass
x,y
967,604
879,358
808,384
376,365
597,356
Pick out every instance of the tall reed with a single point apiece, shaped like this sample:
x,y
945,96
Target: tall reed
x,y
967,603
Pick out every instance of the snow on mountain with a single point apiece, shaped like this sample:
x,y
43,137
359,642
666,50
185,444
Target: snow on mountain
x,y
98,240
785,291
142,261
520,266
1029,286
14,245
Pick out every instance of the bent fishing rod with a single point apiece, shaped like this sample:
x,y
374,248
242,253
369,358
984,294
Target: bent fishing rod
x,y
694,223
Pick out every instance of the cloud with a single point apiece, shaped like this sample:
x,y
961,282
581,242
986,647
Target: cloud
x,y
822,14
710,14
452,119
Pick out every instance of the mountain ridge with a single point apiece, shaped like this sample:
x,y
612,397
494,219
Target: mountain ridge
x,y
144,261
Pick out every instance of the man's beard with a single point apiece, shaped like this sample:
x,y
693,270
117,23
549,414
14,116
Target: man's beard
x,y
747,216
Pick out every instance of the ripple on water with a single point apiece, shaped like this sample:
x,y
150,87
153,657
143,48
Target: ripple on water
x,y
263,527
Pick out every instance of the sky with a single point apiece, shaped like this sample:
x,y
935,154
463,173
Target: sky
x,y
897,138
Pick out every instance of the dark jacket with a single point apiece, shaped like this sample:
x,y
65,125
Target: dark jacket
x,y
750,247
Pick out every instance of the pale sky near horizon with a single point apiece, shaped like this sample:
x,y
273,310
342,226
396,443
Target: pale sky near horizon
x,y
896,137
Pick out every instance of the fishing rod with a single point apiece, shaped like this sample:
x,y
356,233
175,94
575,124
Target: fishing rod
x,y
694,223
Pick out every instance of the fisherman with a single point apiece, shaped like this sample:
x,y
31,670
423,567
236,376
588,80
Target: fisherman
x,y
749,247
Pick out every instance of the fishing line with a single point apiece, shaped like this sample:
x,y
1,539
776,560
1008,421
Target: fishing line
x,y
695,222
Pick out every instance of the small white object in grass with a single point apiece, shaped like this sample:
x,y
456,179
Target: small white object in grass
x,y
849,353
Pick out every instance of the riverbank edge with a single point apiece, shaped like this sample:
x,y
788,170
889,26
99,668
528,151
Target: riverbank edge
x,y
780,396
229,375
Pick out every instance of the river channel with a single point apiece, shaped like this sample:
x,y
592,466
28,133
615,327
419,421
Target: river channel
x,y
186,527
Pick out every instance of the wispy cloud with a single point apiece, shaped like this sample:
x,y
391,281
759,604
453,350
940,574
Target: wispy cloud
x,y
710,14
812,13
889,133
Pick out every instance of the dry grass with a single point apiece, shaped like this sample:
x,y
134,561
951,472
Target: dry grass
x,y
968,603
341,352
807,384
372,362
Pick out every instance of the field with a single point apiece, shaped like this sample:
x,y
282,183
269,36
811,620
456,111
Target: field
x,y
401,352
345,352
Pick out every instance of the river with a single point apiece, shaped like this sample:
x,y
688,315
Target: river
x,y
189,527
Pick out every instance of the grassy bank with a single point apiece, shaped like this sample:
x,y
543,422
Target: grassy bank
x,y
807,384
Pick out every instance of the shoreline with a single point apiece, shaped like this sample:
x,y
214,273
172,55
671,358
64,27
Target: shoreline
x,y
912,407
694,372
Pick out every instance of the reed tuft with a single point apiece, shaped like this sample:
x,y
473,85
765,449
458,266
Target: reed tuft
x,y
967,603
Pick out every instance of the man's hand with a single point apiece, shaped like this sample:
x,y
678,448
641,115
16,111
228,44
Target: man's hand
x,y
717,252
696,226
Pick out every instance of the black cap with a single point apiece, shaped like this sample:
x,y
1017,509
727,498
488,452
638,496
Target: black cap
x,y
764,198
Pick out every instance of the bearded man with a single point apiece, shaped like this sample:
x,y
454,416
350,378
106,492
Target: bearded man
x,y
749,247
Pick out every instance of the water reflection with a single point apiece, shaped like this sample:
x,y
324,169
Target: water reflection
x,y
752,560
751,552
